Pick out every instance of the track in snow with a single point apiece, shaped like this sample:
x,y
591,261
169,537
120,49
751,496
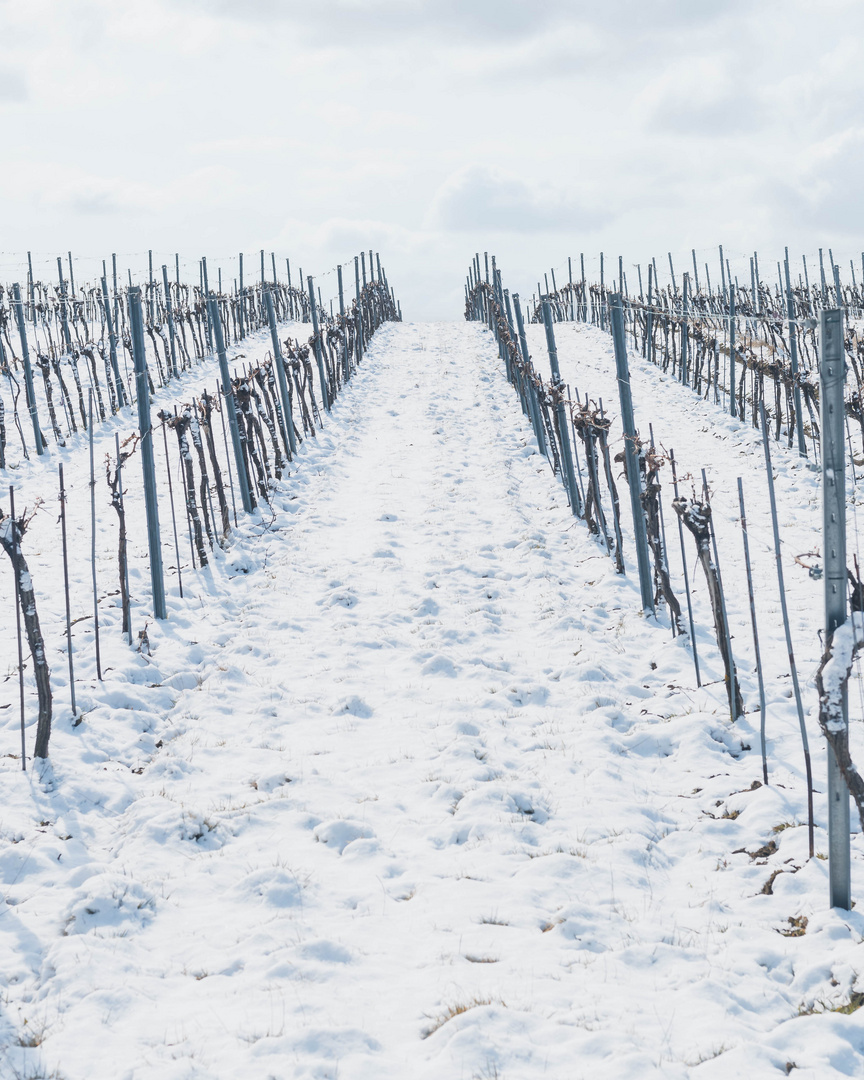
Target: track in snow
x,y
409,788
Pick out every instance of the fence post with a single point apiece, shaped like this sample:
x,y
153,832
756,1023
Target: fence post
x,y
148,463
28,371
228,396
279,364
832,377
319,352
563,425
634,476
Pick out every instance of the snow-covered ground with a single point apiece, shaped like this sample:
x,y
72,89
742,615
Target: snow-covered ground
x,y
408,786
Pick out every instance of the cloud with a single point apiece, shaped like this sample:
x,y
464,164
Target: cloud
x,y
13,86
825,191
346,21
481,198
702,95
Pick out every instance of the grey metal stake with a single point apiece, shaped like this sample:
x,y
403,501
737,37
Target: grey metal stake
x,y
17,602
832,377
733,408
686,574
148,463
122,397
173,511
208,322
346,368
66,588
241,302
793,363
28,371
228,398
563,426
359,331
319,352
93,535
279,364
793,670
755,631
634,476
685,340
169,308
523,348
124,541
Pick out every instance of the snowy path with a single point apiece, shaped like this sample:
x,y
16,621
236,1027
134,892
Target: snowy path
x,y
410,789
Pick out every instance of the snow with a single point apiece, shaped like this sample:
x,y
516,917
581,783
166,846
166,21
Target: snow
x,y
407,785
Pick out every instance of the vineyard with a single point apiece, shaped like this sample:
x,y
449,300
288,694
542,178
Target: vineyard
x,y
402,699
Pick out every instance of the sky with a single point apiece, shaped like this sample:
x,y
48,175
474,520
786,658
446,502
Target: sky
x,y
428,130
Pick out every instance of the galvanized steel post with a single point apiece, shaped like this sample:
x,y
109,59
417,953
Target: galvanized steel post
x,y
319,352
793,363
228,397
279,365
832,377
563,425
122,399
170,313
28,371
148,464
733,409
634,476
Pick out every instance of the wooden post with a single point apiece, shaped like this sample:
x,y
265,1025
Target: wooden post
x,y
148,462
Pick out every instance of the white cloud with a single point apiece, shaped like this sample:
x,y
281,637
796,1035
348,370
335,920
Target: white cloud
x,y
479,197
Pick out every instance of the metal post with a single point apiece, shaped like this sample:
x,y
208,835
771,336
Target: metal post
x,y
784,611
346,367
66,589
359,329
147,460
207,321
112,348
169,308
733,408
228,397
832,377
530,388
755,630
634,476
319,352
563,425
649,319
28,372
793,358
63,319
279,364
685,340
242,332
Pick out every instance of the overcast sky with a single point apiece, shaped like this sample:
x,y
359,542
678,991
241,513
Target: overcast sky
x,y
429,129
